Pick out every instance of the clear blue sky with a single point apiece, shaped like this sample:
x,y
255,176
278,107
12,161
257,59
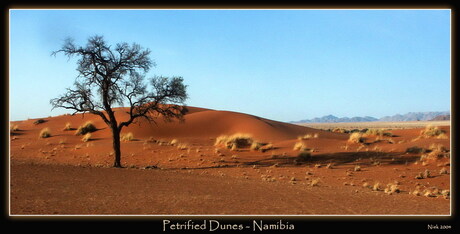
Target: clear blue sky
x,y
279,64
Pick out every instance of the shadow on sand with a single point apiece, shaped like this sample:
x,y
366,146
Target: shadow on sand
x,y
337,159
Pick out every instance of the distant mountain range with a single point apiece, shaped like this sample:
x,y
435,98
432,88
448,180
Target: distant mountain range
x,y
411,116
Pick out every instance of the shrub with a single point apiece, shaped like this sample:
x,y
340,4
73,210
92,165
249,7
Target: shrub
x,y
431,131
356,137
86,128
234,141
44,133
127,137
437,151
86,137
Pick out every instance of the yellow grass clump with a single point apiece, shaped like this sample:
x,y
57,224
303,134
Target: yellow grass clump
x,y
67,127
443,171
86,137
256,145
376,187
182,146
340,130
435,151
300,146
85,128
308,136
14,128
392,188
314,182
377,132
357,168
127,137
266,147
431,131
356,137
44,133
235,141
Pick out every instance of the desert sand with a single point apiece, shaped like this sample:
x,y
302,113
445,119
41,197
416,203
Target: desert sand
x,y
176,168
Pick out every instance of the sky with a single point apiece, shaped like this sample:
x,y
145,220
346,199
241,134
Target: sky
x,y
284,65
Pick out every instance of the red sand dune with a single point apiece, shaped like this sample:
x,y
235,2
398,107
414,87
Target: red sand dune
x,y
199,123
212,123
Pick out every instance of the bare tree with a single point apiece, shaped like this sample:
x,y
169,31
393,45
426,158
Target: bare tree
x,y
107,77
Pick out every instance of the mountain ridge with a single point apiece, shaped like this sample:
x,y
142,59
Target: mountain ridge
x,y
410,116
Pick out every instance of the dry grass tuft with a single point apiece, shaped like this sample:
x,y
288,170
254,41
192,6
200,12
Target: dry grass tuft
x,y
235,141
431,131
173,142
86,137
14,128
415,150
300,146
340,130
44,133
377,132
376,187
392,188
442,136
314,182
308,136
86,128
127,137
356,137
266,147
357,168
436,151
256,146
443,171
182,146
423,175
67,127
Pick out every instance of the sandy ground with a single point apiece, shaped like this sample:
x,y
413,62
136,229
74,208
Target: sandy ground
x,y
63,175
58,189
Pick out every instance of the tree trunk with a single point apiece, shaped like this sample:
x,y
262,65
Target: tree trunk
x,y
116,146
